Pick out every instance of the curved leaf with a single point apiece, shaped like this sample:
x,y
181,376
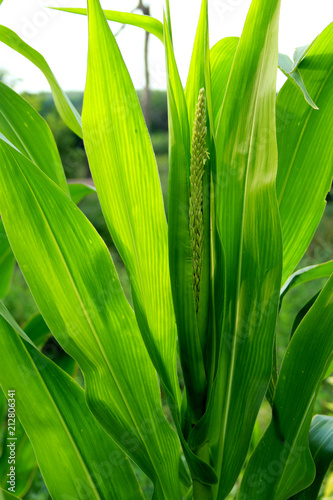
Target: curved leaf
x,y
148,23
305,169
79,191
282,464
249,229
307,274
25,461
27,130
321,446
64,423
65,108
72,278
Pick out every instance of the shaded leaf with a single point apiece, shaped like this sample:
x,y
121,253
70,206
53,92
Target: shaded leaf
x,y
321,446
148,23
79,191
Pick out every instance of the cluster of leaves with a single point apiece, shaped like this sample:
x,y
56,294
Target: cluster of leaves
x,y
264,167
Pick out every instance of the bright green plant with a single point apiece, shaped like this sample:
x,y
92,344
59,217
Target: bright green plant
x,y
249,173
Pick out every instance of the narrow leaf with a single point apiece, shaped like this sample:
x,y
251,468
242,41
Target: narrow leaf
x,y
129,190
65,108
148,23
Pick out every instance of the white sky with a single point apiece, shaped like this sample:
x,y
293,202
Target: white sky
x,y
62,37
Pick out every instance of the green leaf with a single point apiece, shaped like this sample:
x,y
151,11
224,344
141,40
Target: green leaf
x,y
286,66
65,108
129,191
71,275
221,57
321,446
282,464
305,170
5,495
307,274
79,191
25,461
7,262
248,225
27,130
148,23
64,423
37,330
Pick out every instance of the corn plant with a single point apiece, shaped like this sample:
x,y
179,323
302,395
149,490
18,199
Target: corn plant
x,y
249,172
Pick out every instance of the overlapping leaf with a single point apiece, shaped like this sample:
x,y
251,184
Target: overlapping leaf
x,y
27,130
148,23
65,108
282,464
125,174
249,228
71,275
62,422
304,138
307,274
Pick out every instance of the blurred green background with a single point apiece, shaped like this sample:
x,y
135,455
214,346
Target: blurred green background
x,y
21,304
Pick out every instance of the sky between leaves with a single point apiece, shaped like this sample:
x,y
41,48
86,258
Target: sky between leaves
x,y
62,38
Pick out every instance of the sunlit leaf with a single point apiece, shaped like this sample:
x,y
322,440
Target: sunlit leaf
x,y
65,108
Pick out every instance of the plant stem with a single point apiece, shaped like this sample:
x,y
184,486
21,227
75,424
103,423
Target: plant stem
x,y
202,491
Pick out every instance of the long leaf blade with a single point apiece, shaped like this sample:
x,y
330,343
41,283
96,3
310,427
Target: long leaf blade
x,y
305,170
246,202
282,464
129,190
67,265
148,23
65,108
27,130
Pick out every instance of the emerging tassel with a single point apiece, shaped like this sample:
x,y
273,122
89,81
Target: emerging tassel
x,y
199,156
